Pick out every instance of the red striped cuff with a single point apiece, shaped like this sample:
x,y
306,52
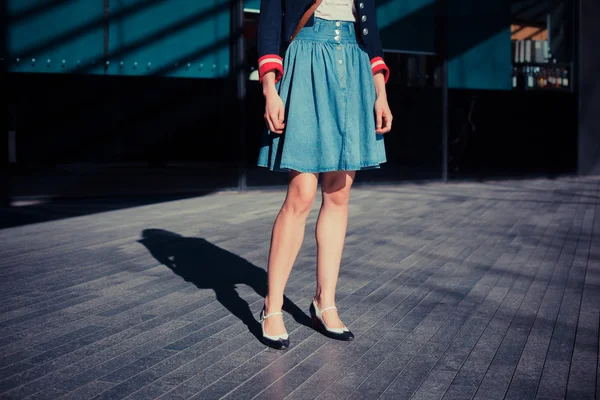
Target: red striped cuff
x,y
268,63
377,64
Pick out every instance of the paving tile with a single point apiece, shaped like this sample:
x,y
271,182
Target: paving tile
x,y
462,290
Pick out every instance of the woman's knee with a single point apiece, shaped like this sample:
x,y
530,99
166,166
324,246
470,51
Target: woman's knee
x,y
336,188
338,198
300,202
301,194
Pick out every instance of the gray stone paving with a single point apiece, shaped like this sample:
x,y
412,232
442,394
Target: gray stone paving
x,y
454,291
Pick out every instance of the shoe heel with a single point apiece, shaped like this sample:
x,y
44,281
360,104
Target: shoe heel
x,y
316,323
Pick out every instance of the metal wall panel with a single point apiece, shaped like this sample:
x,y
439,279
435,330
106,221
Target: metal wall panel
x,y
54,36
252,4
177,38
407,25
479,45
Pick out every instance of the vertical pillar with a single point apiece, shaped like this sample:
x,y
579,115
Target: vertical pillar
x,y
9,158
561,29
239,68
441,44
588,63
4,160
106,48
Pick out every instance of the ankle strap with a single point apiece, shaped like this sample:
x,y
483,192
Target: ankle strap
x,y
273,313
328,308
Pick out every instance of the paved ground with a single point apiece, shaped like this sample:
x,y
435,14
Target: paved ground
x,y
458,291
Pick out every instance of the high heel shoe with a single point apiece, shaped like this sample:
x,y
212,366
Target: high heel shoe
x,y
334,333
278,342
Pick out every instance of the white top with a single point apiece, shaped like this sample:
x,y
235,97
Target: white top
x,y
337,10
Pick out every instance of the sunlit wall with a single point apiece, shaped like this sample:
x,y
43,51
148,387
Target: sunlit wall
x,y
131,37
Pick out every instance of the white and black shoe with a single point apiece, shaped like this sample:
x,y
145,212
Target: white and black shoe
x,y
278,342
334,333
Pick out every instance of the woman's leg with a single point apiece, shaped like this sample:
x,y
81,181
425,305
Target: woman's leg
x,y
286,240
331,233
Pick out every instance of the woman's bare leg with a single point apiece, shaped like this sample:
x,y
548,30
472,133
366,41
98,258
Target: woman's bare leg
x,y
286,240
331,233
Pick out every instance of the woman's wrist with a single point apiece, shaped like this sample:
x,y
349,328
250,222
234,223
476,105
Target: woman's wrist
x,y
268,83
381,94
379,80
269,90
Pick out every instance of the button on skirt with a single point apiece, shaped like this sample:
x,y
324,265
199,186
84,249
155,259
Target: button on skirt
x,y
329,96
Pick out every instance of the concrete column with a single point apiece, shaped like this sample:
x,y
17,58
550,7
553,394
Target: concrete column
x,y
588,84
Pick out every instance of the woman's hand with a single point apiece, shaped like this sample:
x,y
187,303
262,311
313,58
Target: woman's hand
x,y
274,112
274,108
383,115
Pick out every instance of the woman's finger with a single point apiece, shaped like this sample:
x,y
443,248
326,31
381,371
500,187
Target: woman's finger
x,y
274,124
379,117
388,123
275,121
269,123
281,116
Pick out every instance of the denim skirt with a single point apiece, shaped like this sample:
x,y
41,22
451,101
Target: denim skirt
x,y
329,96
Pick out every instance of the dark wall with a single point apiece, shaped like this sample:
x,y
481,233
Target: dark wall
x,y
511,133
103,119
589,88
81,119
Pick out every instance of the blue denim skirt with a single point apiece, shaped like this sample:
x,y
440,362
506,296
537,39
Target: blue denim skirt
x,y
329,96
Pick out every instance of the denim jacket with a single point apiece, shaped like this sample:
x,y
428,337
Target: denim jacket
x,y
279,19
